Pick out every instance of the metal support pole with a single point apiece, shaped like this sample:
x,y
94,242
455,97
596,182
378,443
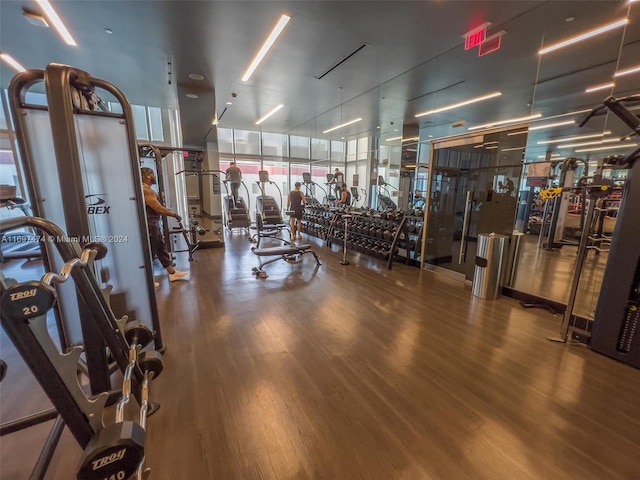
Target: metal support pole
x,y
344,260
582,253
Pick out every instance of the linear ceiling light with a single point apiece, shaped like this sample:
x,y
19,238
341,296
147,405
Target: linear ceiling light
x,y
584,36
628,71
269,114
411,139
502,122
519,132
552,155
570,139
600,87
9,60
350,122
57,23
512,149
392,139
609,147
273,36
456,105
584,144
551,125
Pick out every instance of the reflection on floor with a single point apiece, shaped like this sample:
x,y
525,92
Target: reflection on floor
x,y
549,273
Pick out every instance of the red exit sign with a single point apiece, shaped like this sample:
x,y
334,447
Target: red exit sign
x,y
475,37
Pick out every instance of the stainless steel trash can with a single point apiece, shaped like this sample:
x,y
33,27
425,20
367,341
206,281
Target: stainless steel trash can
x,y
489,262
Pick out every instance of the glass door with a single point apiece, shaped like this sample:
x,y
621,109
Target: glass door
x,y
473,191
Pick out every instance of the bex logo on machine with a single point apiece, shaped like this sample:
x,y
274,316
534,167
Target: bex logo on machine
x,y
95,204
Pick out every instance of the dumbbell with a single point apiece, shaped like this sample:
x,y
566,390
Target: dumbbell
x,y
26,300
118,449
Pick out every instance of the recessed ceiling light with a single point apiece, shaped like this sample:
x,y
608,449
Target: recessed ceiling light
x,y
108,31
57,22
9,60
276,109
569,139
609,147
196,76
502,122
569,19
604,86
627,71
350,122
552,125
229,103
584,144
460,104
191,95
273,36
583,36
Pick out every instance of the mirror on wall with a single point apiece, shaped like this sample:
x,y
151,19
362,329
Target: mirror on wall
x,y
560,154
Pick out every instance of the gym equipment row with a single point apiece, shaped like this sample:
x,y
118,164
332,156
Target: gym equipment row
x,y
616,324
115,451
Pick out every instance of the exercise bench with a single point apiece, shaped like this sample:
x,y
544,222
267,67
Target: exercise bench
x,y
289,253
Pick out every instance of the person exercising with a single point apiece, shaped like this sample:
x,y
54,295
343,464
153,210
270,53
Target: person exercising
x,y
296,202
345,197
154,210
338,181
234,176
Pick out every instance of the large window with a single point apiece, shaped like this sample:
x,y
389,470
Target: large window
x,y
247,142
274,145
225,140
319,149
299,147
155,124
337,152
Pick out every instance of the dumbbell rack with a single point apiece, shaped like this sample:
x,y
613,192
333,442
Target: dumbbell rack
x,y
372,233
24,318
410,238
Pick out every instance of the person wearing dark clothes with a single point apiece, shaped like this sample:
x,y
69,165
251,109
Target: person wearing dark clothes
x,y
345,197
154,210
234,176
295,203
338,180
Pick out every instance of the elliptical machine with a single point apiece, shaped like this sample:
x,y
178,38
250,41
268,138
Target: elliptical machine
x,y
236,214
384,201
269,221
309,186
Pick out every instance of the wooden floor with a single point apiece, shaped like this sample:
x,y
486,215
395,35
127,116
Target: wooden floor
x,y
357,372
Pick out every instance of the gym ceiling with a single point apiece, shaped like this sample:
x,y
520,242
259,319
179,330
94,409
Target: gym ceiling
x,y
336,61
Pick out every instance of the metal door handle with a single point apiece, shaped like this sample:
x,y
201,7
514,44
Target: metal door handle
x,y
465,227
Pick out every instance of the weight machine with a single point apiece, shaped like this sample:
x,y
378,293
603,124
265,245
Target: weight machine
x,y
82,172
616,324
116,449
189,235
560,206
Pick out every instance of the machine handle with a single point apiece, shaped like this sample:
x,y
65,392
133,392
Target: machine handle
x,y
465,227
